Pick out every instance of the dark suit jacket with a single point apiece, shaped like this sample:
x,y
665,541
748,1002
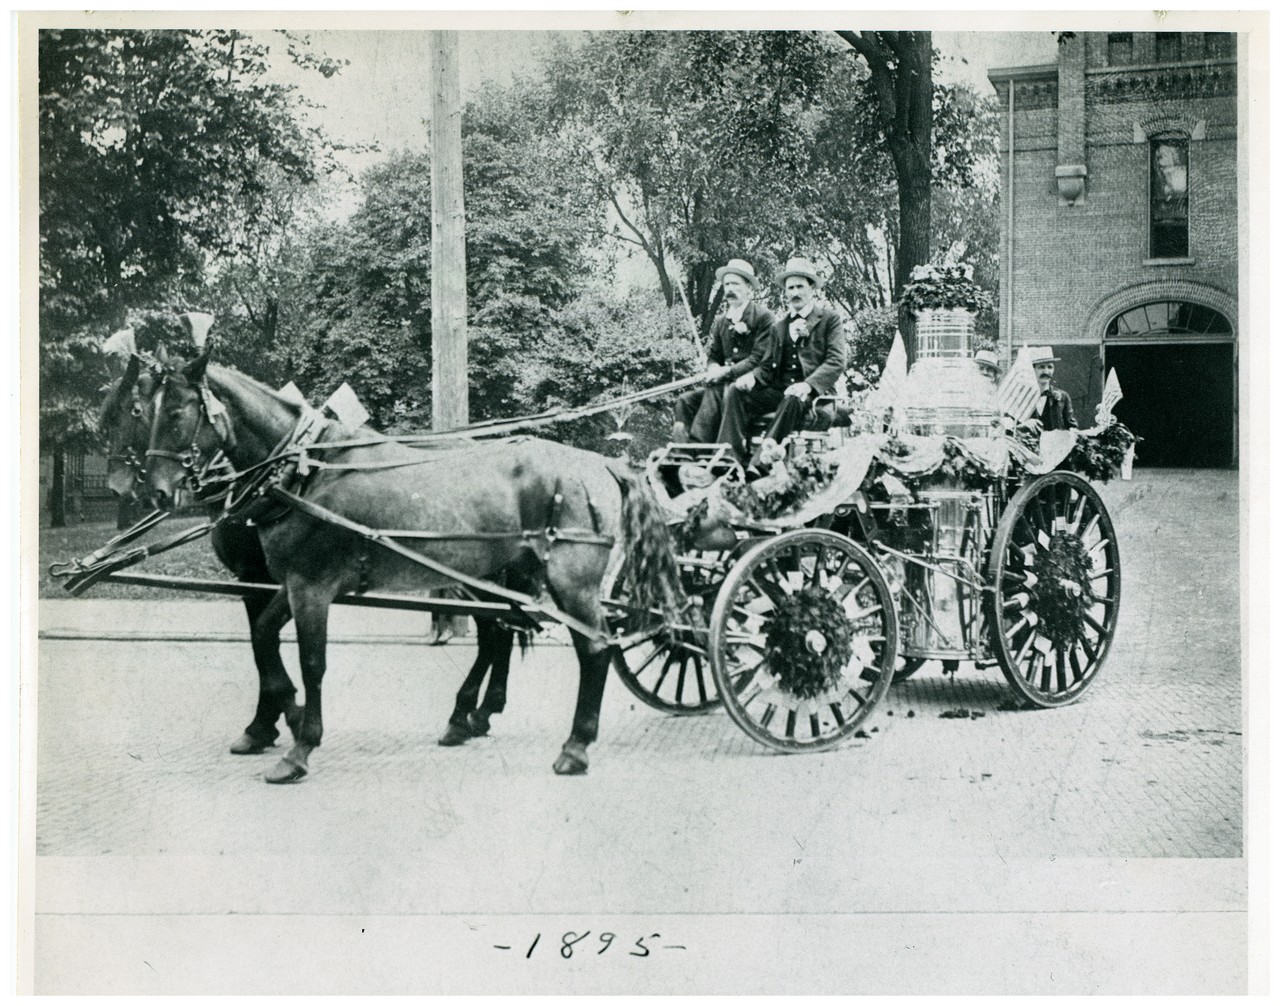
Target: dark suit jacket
x,y
822,353
743,350
1057,414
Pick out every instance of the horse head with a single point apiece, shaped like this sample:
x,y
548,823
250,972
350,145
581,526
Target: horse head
x,y
182,438
125,421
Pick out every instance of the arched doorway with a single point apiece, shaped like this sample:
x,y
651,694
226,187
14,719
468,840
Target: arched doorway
x,y
1176,361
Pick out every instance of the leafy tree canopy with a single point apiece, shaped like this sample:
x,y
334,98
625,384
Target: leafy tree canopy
x,y
157,149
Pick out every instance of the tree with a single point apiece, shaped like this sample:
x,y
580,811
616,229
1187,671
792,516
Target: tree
x,y
698,142
364,309
901,68
155,153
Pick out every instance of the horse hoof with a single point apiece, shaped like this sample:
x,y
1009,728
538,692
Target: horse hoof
x,y
285,771
477,724
247,744
571,763
454,736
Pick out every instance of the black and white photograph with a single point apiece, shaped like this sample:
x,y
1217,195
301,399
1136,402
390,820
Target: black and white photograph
x,y
642,503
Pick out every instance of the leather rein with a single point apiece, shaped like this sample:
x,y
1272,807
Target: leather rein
x,y
266,477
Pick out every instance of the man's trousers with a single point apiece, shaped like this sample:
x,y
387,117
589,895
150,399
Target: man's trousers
x,y
699,410
741,408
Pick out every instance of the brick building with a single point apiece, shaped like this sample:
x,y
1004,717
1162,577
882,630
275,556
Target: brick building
x,y
1118,237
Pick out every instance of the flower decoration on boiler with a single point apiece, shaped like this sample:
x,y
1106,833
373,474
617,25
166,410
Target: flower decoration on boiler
x,y
943,287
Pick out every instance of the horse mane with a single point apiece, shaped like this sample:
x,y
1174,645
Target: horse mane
x,y
222,371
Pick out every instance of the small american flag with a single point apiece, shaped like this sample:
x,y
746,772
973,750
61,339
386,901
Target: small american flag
x,y
1111,394
893,381
1019,391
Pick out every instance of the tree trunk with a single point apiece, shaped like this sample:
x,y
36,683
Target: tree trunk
x,y
127,513
901,65
913,245
702,280
669,292
58,490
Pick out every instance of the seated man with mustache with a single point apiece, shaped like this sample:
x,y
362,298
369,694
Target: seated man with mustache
x,y
739,341
805,360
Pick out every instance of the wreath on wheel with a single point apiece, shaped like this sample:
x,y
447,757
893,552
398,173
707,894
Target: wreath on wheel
x,y
809,643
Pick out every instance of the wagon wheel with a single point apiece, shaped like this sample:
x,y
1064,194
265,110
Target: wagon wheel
x,y
797,622
1055,578
665,668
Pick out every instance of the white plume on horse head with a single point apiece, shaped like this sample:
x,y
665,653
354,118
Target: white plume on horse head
x,y
122,344
198,324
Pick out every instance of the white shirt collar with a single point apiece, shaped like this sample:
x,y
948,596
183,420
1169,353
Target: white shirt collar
x,y
803,314
735,314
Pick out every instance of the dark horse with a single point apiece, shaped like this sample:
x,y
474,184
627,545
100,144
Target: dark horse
x,y
126,422
530,514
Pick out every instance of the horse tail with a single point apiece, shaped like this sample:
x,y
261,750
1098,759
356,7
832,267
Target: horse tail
x,y
652,573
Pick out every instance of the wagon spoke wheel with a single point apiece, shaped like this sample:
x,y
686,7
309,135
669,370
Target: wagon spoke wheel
x,y
663,666
1055,598
799,620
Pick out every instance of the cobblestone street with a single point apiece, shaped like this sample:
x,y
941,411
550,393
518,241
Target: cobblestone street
x,y
677,815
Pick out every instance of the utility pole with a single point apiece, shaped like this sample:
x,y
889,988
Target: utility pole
x,y
449,407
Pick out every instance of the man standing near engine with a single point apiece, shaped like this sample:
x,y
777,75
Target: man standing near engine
x,y
739,341
805,359
1053,411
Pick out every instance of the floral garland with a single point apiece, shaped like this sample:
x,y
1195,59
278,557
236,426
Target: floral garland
x,y
1101,456
944,286
770,498
790,483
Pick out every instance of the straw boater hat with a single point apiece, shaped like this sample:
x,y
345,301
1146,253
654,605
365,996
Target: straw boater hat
x,y
986,358
800,267
1043,354
739,267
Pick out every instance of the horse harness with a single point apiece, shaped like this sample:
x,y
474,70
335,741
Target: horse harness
x,y
289,467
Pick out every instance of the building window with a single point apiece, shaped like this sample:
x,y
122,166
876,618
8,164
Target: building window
x,y
1119,48
1168,47
1169,317
1219,44
1169,197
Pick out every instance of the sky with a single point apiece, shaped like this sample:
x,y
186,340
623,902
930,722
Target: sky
x,y
383,95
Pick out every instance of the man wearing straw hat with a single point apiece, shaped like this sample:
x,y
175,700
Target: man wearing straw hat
x,y
1053,411
805,359
988,365
739,341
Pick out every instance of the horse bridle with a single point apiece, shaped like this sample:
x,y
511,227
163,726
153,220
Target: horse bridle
x,y
130,458
190,458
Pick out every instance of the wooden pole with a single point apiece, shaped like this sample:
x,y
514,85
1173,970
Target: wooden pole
x,y
449,406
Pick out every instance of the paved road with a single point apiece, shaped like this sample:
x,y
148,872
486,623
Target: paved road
x,y
677,814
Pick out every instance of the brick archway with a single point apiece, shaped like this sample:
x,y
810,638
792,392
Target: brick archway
x,y
1153,290
1198,372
